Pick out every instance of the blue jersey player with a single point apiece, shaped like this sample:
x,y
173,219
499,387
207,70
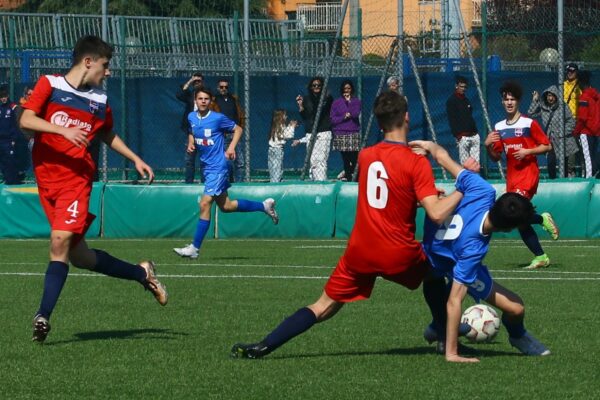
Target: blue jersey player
x,y
207,138
457,248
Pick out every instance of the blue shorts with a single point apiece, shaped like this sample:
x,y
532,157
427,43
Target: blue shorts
x,y
215,183
479,290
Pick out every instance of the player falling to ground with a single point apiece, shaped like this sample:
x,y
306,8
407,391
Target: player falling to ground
x,y
391,180
207,138
67,113
457,248
522,139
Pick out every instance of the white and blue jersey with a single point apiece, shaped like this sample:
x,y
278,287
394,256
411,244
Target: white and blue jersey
x,y
208,132
457,247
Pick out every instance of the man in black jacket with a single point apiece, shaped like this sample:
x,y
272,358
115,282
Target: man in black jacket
x,y
462,124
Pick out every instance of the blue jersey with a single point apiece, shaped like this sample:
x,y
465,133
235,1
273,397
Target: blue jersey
x,y
210,143
458,247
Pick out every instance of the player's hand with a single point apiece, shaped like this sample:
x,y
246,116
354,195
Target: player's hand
x,y
76,136
459,359
144,170
472,165
492,138
230,154
422,147
190,147
521,153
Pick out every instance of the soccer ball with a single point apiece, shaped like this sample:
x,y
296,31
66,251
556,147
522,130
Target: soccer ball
x,y
484,323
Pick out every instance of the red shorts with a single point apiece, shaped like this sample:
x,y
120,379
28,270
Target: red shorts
x,y
67,207
345,286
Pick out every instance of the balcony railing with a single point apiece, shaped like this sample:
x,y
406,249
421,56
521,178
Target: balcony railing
x,y
320,17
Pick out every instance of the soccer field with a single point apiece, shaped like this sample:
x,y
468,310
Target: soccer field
x,y
111,340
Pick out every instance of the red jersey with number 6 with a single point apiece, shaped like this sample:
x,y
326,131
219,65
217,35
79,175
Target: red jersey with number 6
x,y
391,180
56,160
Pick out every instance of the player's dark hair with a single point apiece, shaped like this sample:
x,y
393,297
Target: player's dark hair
x,y
91,46
583,79
349,83
510,211
461,79
511,88
202,89
390,110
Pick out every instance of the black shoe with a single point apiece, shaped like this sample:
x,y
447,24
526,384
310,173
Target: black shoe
x,y
463,350
251,350
41,328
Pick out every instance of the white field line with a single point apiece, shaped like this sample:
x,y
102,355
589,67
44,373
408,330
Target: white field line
x,y
194,276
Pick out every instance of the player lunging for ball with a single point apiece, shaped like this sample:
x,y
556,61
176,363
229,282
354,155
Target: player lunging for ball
x,y
391,180
67,113
457,247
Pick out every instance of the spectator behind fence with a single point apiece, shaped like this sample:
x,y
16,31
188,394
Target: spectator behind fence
x,y
393,84
571,90
462,124
10,140
587,126
345,125
547,107
280,132
186,96
307,105
229,105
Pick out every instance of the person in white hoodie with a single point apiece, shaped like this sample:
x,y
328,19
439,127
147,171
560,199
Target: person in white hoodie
x,y
280,132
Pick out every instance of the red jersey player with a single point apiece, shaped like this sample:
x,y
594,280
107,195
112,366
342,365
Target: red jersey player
x,y
522,139
391,181
67,113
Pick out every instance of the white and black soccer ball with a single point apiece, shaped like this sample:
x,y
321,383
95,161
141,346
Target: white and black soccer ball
x,y
484,323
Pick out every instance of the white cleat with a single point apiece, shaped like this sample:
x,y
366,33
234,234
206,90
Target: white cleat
x,y
270,210
188,251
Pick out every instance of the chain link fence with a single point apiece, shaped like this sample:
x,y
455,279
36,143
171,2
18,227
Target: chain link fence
x,y
154,56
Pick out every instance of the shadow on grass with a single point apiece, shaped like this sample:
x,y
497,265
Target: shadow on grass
x,y
131,334
410,351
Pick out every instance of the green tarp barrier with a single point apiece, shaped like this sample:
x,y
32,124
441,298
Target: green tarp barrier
x,y
22,216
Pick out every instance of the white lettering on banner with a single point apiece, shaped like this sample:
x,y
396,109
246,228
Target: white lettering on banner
x,y
63,119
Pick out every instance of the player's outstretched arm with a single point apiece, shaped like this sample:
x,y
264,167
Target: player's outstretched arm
x,y
114,142
454,307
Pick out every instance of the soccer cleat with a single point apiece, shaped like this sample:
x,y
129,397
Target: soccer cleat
x,y
152,284
188,251
529,345
550,226
542,261
431,335
41,328
252,350
270,210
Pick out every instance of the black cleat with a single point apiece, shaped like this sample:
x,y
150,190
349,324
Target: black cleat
x,y
41,328
251,350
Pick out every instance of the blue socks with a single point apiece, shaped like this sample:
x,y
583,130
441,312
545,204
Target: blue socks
x,y
531,240
292,326
201,229
111,266
250,206
56,276
515,329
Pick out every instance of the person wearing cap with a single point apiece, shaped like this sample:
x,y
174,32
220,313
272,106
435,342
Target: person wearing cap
x,y
186,96
9,138
571,88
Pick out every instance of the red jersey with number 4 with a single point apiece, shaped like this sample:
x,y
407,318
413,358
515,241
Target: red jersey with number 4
x,y
56,160
391,180
522,176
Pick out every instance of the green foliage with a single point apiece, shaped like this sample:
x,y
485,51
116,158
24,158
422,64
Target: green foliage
x,y
373,59
111,340
512,48
591,51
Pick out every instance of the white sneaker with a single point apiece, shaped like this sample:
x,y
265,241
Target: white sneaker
x,y
188,251
270,210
